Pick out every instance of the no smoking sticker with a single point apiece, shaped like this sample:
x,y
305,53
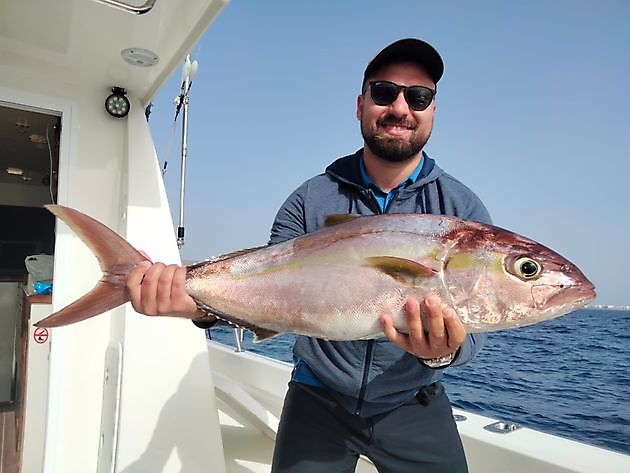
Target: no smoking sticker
x,y
40,335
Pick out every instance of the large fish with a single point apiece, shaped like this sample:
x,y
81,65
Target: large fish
x,y
336,282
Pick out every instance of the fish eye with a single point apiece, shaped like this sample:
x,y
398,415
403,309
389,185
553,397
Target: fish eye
x,y
527,268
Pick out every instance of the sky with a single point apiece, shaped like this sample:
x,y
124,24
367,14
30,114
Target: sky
x,y
533,114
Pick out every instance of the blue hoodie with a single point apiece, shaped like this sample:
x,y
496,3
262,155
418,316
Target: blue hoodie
x,y
370,377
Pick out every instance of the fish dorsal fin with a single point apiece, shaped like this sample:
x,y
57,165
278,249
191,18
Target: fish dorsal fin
x,y
338,219
224,257
406,271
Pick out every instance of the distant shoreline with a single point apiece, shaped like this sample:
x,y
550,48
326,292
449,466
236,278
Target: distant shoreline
x,y
608,307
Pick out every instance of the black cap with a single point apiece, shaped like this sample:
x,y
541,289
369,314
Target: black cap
x,y
408,50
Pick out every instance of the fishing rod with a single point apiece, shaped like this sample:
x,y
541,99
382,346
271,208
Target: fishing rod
x,y
189,71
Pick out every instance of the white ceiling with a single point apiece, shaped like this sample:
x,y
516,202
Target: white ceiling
x,y
74,43
81,40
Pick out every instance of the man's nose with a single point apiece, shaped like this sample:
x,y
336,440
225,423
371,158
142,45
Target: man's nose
x,y
400,106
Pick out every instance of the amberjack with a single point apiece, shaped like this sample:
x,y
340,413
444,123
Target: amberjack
x,y
336,282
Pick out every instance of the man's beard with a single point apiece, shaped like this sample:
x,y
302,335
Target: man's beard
x,y
394,149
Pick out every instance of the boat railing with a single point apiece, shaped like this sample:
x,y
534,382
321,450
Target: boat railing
x,y
239,336
129,7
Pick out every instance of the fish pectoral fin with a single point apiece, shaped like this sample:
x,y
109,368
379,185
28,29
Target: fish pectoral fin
x,y
338,219
406,271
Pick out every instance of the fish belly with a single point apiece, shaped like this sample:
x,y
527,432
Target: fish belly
x,y
335,302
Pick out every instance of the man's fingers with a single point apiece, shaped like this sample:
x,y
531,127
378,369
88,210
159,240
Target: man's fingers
x,y
178,289
394,335
164,290
433,330
134,284
185,304
455,329
434,322
417,339
414,321
158,289
148,296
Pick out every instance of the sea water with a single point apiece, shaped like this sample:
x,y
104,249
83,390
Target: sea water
x,y
569,376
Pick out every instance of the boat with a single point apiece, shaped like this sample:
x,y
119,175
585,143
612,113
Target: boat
x,y
122,393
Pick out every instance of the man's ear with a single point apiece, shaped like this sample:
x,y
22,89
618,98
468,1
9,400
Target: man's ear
x,y
359,107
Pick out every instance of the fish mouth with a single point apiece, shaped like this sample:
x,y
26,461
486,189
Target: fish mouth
x,y
572,296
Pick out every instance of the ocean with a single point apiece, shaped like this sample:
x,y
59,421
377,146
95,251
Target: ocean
x,y
569,376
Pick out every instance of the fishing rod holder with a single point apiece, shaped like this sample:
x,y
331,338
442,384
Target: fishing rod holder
x,y
239,337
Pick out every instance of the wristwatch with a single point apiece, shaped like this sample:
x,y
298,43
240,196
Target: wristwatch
x,y
440,362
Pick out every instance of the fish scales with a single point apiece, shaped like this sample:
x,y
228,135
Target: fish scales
x,y
322,286
335,283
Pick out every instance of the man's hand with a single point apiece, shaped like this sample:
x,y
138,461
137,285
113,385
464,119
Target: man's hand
x,y
158,289
434,331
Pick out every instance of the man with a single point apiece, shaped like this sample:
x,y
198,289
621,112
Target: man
x,y
379,398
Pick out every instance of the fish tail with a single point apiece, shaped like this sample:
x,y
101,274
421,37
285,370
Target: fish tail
x,y
116,258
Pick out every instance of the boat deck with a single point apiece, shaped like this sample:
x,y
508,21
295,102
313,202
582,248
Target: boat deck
x,y
8,445
247,450
249,393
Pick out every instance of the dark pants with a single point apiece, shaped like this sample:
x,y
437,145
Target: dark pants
x,y
317,435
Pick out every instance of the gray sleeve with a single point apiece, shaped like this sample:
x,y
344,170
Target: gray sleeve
x,y
458,200
475,210
290,221
473,343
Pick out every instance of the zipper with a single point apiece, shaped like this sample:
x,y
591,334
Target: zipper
x,y
371,200
366,372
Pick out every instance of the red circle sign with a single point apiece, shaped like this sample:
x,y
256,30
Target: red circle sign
x,y
40,335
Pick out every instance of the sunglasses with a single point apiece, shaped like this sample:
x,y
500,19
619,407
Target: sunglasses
x,y
417,97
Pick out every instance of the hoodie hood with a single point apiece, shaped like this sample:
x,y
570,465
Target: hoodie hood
x,y
347,171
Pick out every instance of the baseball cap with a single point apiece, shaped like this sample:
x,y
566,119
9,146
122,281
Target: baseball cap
x,y
408,50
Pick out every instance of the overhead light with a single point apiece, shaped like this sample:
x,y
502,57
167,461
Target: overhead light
x,y
22,124
39,139
15,171
116,104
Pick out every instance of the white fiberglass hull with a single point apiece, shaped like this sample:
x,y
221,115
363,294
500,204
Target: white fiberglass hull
x,y
250,390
